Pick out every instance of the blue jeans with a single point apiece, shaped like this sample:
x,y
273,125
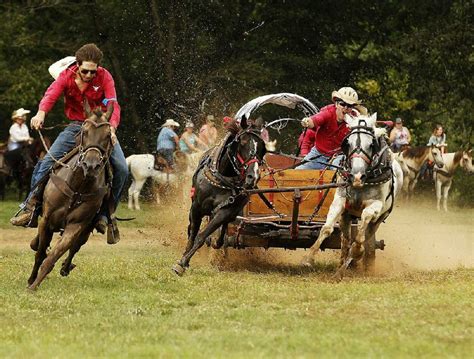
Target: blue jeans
x,y
316,163
64,143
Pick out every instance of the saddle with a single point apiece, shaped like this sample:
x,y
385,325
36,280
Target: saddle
x,y
161,164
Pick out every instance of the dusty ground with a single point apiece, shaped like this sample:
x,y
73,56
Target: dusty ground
x,y
416,237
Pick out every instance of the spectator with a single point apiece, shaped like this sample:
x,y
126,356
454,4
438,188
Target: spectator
x,y
438,138
399,136
189,142
19,133
208,132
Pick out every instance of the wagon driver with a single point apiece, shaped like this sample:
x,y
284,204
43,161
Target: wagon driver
x,y
330,128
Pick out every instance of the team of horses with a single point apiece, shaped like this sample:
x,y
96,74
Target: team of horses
x,y
79,186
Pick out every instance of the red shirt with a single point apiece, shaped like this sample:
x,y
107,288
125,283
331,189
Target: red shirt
x,y
101,87
329,132
306,142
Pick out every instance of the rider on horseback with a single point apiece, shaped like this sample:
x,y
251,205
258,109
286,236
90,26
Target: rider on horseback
x,y
166,144
85,80
19,138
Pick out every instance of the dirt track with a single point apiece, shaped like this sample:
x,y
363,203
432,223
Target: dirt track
x,y
416,237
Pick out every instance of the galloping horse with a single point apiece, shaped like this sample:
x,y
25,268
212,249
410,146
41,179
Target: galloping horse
x,y
73,195
141,167
374,181
443,176
412,159
219,185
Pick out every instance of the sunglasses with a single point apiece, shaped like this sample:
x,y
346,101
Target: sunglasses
x,y
85,72
343,104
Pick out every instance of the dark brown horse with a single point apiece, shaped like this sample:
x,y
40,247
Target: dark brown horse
x,y
72,197
219,185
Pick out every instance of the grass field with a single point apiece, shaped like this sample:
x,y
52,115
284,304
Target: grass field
x,y
124,301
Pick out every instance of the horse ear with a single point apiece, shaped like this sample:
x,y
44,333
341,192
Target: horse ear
x,y
373,119
243,122
87,108
110,111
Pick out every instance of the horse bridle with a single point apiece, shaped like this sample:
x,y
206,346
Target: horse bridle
x,y
104,153
239,164
358,151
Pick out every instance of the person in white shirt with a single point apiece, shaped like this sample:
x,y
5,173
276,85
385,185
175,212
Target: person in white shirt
x,y
19,133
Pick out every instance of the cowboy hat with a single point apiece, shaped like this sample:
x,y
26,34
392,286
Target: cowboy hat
x,y
170,122
346,94
210,118
189,124
20,113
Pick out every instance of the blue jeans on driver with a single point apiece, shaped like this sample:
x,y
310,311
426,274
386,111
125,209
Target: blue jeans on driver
x,y
316,164
63,144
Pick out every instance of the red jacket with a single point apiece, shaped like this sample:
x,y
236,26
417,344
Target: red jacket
x,y
329,132
306,142
101,87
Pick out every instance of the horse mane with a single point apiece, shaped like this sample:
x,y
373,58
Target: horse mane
x,y
457,156
415,152
233,127
380,132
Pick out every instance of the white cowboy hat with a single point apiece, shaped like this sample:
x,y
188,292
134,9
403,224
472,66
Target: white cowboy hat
x,y
346,94
61,65
170,122
20,113
210,118
189,124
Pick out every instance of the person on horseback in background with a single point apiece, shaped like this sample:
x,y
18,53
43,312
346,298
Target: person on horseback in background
x,y
330,128
167,142
19,138
438,139
84,80
400,137
189,141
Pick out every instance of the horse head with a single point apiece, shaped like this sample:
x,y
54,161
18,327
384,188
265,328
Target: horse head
x,y
436,156
466,161
361,147
246,151
95,144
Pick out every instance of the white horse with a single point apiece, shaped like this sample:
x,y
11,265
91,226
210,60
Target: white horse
x,y
374,181
443,176
411,160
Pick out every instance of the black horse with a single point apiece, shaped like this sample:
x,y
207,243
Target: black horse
x,y
17,166
219,185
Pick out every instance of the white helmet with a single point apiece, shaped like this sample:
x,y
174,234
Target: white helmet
x,y
346,94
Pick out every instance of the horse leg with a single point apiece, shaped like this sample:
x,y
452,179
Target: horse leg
x,y
369,252
138,187
195,220
445,195
131,191
44,239
215,223
67,265
69,236
356,250
438,194
220,241
345,225
335,210
34,243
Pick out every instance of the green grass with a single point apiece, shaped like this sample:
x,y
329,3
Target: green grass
x,y
123,301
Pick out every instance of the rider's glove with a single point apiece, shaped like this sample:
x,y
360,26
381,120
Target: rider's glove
x,y
307,122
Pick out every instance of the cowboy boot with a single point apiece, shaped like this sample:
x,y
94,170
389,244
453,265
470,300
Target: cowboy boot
x,y
27,216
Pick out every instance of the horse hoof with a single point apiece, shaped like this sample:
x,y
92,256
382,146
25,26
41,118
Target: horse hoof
x,y
217,245
178,269
307,262
31,288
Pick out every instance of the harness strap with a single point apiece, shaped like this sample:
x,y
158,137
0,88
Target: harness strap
x,y
76,197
